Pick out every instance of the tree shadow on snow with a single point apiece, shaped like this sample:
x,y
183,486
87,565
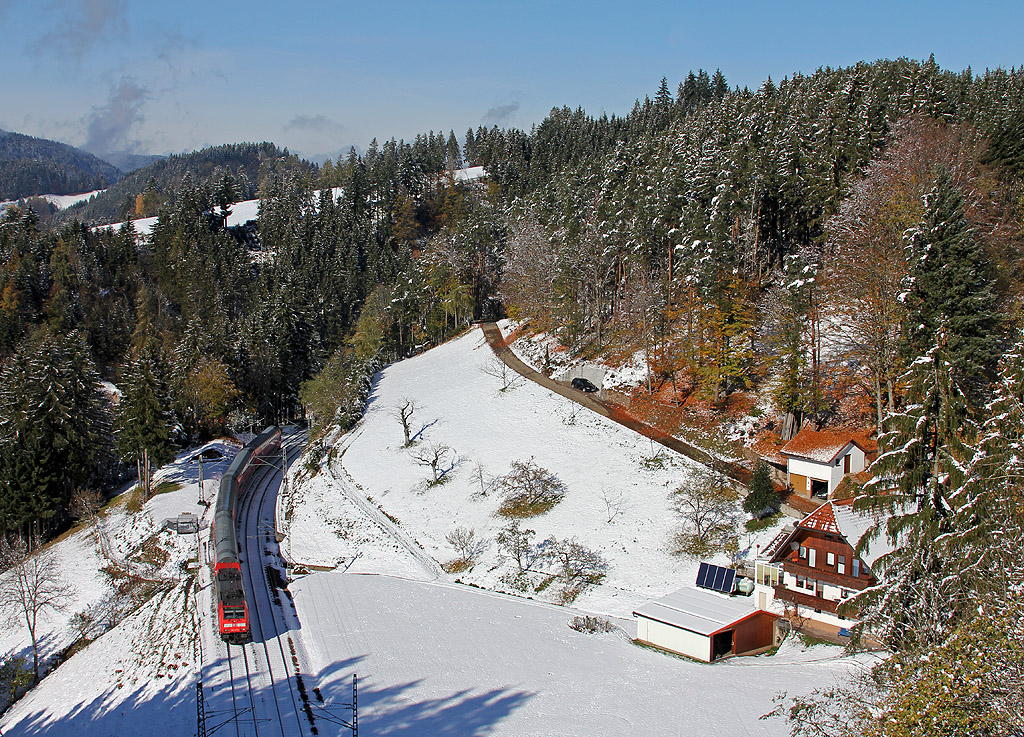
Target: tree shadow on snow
x,y
393,710
110,713
388,710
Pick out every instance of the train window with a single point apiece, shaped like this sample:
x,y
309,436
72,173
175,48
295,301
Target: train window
x,y
234,612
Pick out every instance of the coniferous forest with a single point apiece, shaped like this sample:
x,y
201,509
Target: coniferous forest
x,y
854,230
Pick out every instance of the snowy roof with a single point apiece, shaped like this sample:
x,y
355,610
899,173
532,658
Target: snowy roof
x,y
821,446
838,519
853,525
698,610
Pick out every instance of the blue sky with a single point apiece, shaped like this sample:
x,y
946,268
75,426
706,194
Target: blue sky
x,y
160,77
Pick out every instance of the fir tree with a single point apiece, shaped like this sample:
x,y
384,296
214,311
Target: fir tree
x,y
760,494
952,291
52,428
915,495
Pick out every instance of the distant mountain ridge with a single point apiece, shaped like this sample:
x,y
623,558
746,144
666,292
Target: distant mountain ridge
x,y
35,166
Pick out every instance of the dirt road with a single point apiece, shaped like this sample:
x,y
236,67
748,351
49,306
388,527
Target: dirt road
x,y
612,411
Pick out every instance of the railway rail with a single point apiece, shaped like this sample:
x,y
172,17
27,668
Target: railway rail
x,y
265,699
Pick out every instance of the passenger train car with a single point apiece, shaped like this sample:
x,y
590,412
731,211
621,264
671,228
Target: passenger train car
x,y
232,611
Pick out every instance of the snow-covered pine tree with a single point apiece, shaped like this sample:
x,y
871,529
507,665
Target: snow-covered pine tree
x,y
914,496
52,428
952,288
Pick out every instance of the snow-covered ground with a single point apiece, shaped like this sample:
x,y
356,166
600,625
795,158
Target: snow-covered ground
x,y
438,659
618,499
61,201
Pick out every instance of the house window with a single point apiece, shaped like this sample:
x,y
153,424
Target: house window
x,y
807,584
841,568
811,557
830,558
856,567
767,575
803,552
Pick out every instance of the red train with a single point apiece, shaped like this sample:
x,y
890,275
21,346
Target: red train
x,y
229,593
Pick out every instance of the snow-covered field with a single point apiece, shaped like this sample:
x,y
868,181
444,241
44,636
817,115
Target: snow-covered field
x,y
61,201
618,486
435,659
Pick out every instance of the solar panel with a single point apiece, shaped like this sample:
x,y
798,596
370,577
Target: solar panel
x,y
716,578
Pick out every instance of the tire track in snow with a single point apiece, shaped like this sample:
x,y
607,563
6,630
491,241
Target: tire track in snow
x,y
351,489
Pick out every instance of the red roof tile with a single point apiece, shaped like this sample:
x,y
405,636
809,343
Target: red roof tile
x,y
821,446
822,519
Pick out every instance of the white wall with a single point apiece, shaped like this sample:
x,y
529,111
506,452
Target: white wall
x,y
858,460
830,472
674,638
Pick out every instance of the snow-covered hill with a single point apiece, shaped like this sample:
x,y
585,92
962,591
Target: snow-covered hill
x,y
434,656
61,201
618,484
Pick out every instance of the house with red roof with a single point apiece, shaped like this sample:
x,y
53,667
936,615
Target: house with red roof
x,y
808,571
818,460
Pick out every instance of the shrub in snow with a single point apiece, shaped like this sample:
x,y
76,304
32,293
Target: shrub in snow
x,y
591,625
528,490
467,545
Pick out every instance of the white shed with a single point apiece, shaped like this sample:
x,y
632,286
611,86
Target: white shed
x,y
705,625
819,459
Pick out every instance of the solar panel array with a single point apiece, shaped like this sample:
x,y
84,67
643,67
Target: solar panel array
x,y
716,578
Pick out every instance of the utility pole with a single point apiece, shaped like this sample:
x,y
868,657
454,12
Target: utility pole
x,y
202,499
200,710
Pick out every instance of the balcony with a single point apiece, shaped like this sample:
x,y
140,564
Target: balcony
x,y
800,568
805,600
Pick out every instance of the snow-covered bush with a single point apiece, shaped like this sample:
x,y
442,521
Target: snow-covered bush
x,y
528,490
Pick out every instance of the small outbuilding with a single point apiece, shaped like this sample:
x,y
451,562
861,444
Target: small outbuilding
x,y
817,460
706,625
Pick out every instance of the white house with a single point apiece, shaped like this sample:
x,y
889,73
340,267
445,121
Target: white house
x,y
817,460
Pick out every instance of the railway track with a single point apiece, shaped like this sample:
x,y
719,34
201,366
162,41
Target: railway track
x,y
266,701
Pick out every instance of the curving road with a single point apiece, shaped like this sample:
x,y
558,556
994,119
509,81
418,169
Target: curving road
x,y
497,342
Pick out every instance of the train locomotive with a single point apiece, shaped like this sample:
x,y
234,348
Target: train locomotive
x,y
232,611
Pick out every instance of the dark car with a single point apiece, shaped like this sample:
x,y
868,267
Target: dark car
x,y
583,385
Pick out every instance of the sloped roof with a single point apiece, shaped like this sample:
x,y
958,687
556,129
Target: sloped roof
x,y
820,446
838,519
698,610
853,525
822,519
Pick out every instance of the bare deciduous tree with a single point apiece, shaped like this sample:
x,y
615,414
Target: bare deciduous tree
x,y
515,542
465,543
403,412
479,477
709,505
86,504
435,456
497,368
529,490
614,503
31,585
578,565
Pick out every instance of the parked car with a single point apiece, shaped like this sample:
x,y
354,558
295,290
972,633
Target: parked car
x,y
583,385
